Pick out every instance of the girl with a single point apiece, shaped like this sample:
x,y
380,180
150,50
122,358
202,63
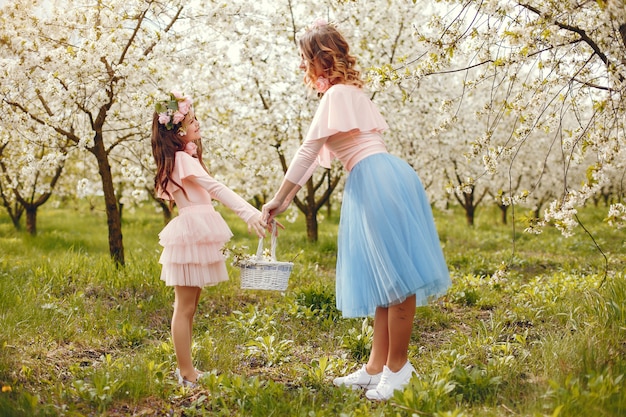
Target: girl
x,y
192,241
389,258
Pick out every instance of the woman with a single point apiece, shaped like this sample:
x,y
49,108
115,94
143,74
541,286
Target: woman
x,y
389,256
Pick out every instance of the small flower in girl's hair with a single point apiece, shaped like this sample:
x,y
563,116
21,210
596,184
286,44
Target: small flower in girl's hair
x,y
322,84
184,106
319,22
164,118
177,94
178,117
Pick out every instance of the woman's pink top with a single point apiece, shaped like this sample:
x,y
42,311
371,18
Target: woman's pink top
x,y
346,125
201,188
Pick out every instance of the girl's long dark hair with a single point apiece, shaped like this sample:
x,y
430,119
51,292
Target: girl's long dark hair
x,y
165,144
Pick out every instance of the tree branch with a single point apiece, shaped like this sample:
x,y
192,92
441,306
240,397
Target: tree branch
x,y
71,136
134,34
580,32
167,28
43,103
294,30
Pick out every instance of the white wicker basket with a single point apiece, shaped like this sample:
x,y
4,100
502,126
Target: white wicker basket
x,y
259,273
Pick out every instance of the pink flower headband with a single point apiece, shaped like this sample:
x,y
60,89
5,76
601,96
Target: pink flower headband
x,y
322,84
173,111
319,22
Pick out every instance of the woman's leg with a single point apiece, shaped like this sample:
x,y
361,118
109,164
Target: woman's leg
x,y
399,370
392,334
185,304
380,342
369,376
399,327
390,345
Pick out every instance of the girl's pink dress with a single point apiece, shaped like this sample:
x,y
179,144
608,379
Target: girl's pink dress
x,y
193,241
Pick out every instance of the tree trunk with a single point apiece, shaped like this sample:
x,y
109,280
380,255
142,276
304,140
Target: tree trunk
x,y
470,206
114,219
467,199
33,203
16,221
31,219
167,213
503,210
469,214
15,213
311,226
310,206
310,212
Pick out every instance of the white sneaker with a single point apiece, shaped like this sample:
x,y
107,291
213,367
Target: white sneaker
x,y
390,382
358,379
185,382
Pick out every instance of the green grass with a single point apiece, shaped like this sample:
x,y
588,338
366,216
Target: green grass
x,y
526,330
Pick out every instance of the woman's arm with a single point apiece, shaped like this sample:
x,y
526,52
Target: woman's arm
x,y
281,200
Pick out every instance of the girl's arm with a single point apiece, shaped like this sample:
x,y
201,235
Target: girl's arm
x,y
246,211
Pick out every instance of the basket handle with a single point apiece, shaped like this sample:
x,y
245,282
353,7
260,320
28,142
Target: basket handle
x,y
259,250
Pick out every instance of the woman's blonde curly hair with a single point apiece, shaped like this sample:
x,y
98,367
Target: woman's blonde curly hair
x,y
322,44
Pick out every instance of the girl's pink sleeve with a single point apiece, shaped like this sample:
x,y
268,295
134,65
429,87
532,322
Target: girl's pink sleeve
x,y
226,196
189,169
185,166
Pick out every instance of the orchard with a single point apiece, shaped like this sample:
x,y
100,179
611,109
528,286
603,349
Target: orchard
x,y
509,107
496,102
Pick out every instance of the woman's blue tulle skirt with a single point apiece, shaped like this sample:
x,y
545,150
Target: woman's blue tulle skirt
x,y
388,246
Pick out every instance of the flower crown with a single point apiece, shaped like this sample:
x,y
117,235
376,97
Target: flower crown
x,y
173,111
319,22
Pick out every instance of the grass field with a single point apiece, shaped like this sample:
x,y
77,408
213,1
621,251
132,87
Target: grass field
x,y
534,328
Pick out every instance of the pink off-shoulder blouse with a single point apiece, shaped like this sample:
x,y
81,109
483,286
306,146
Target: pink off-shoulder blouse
x,y
347,125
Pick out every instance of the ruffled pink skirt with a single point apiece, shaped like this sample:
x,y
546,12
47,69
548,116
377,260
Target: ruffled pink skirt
x,y
192,248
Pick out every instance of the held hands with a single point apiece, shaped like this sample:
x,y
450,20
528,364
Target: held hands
x,y
257,225
273,208
281,201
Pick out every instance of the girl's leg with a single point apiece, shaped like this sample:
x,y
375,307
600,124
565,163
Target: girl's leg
x,y
399,326
380,342
185,304
192,317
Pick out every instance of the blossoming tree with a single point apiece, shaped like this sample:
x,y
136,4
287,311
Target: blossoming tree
x,y
523,102
84,71
553,73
